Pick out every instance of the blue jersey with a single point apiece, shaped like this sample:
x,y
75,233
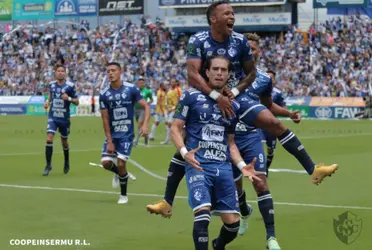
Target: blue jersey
x,y
120,105
59,108
262,86
278,98
205,127
202,46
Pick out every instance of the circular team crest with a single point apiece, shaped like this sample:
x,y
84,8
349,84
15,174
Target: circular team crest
x,y
221,51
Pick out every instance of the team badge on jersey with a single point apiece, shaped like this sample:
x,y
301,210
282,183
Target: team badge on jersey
x,y
232,52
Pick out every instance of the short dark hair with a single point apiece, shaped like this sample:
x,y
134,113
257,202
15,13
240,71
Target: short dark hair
x,y
209,62
114,63
253,37
272,72
211,9
58,65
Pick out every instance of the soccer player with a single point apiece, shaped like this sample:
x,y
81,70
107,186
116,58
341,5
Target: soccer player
x,y
219,40
277,97
160,111
62,94
208,150
173,97
117,107
202,46
139,111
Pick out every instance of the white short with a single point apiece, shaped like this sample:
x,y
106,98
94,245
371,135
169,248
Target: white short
x,y
158,117
170,117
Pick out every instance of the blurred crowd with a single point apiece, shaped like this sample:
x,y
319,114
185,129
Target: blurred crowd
x,y
330,59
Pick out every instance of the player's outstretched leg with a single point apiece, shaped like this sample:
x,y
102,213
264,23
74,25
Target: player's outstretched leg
x,y
48,154
292,144
66,167
228,232
176,171
245,209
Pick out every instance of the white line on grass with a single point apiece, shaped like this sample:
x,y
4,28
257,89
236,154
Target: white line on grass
x,y
179,197
136,164
284,170
166,146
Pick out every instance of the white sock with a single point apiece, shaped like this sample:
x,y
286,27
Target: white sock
x,y
168,134
153,128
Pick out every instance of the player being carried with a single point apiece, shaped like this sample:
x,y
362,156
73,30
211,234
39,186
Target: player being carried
x,y
208,150
62,94
117,103
220,39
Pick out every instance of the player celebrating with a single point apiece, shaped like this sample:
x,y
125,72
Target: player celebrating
x,y
278,99
160,111
139,111
202,46
173,97
117,107
219,40
210,139
62,93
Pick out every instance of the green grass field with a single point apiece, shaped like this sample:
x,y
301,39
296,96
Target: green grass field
x,y
87,210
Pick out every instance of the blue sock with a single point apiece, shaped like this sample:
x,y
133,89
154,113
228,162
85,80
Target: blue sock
x,y
291,143
266,206
123,184
176,171
200,231
227,234
48,152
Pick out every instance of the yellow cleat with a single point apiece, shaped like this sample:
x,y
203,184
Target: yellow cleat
x,y
162,207
321,171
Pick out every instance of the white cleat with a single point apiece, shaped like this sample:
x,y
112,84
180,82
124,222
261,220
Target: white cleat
x,y
164,142
132,176
123,199
243,228
115,181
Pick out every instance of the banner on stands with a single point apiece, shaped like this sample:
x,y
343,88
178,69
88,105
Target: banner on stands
x,y
119,8
298,101
33,9
334,112
12,109
247,19
6,10
205,3
14,99
68,8
337,101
